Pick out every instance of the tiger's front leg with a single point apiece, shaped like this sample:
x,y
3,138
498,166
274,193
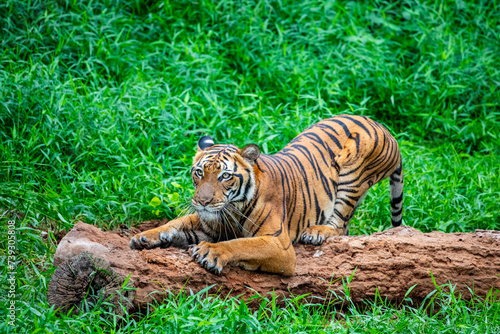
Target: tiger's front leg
x,y
266,253
181,233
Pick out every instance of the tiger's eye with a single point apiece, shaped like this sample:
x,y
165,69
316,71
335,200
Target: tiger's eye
x,y
198,173
226,175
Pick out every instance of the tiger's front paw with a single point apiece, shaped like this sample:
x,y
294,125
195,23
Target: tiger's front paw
x,y
157,237
317,234
210,256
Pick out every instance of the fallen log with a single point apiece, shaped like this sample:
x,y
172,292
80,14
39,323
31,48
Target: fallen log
x,y
390,262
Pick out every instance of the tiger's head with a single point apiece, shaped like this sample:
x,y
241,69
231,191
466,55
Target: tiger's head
x,y
222,175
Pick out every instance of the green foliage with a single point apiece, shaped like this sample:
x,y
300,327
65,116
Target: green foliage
x,y
102,102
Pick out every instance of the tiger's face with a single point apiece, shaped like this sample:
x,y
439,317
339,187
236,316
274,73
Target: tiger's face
x,y
222,175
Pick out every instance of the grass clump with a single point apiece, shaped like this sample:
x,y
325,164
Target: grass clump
x,y
102,102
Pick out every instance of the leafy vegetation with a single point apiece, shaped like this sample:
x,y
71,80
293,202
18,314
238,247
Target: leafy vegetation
x,y
102,102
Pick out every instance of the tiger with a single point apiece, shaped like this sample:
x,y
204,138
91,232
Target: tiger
x,y
250,209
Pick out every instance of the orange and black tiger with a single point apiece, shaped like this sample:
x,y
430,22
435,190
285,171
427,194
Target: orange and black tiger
x,y
250,208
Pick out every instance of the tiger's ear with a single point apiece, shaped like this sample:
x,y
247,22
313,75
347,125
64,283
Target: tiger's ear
x,y
205,142
250,152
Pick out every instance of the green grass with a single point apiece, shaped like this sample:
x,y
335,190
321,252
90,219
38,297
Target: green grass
x,y
102,102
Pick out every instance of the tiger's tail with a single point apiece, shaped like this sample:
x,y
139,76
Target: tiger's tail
x,y
396,181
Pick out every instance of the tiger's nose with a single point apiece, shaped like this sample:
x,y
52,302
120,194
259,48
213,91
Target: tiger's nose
x,y
205,194
206,202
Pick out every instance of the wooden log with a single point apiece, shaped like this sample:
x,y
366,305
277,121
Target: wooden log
x,y
391,262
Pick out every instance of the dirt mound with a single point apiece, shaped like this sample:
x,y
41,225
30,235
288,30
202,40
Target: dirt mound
x,y
391,261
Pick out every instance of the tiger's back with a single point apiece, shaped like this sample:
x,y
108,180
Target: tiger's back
x,y
327,169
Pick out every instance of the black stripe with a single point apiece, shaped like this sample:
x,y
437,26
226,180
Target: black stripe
x,y
332,137
314,137
196,239
324,182
305,151
396,201
345,201
317,207
188,237
358,123
300,222
296,161
238,191
338,214
354,198
347,190
397,213
321,154
350,172
342,124
322,219
396,223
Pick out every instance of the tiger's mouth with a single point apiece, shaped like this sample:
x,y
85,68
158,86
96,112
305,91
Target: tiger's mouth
x,y
210,214
225,212
219,212
211,208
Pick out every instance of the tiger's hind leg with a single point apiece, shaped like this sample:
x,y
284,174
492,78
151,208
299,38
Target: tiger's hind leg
x,y
360,200
346,203
348,196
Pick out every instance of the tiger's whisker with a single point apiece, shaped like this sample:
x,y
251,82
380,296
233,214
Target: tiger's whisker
x,y
227,225
237,211
236,221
